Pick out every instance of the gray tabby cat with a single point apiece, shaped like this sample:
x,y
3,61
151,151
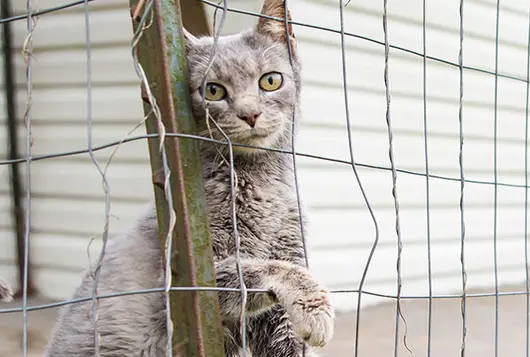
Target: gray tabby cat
x,y
252,92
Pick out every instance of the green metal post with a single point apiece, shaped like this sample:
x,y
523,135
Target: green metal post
x,y
161,52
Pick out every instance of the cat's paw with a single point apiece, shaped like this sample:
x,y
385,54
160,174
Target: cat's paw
x,y
312,318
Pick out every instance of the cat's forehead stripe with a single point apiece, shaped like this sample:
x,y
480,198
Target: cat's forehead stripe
x,y
240,58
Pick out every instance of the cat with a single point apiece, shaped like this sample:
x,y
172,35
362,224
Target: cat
x,y
6,293
252,90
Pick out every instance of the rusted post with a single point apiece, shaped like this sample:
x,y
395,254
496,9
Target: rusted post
x,y
161,53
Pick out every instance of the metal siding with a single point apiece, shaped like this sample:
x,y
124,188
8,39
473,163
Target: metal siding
x,y
68,207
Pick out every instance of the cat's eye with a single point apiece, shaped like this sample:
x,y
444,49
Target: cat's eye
x,y
271,81
215,92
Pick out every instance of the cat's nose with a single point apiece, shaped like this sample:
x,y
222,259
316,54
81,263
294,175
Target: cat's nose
x,y
250,118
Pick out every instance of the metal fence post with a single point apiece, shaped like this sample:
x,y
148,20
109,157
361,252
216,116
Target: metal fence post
x,y
161,53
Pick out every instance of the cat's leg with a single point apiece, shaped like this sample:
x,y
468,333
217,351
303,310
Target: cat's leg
x,y
232,338
305,301
271,335
131,325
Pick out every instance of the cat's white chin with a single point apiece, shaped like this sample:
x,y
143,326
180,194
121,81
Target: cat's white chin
x,y
246,150
257,144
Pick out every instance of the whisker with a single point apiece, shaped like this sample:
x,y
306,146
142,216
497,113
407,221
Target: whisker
x,y
219,153
202,64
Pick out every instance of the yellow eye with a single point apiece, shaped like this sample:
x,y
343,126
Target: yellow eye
x,y
271,81
215,92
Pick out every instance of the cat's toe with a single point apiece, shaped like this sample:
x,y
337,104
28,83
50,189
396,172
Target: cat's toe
x,y
313,318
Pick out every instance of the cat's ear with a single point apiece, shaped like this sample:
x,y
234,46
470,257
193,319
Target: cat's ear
x,y
274,28
191,41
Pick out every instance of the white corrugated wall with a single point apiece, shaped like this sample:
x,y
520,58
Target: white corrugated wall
x,y
342,230
68,205
67,195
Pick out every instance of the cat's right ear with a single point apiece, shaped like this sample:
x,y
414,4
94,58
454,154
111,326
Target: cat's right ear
x,y
274,28
191,41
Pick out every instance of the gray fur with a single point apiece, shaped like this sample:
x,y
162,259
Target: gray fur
x,y
297,309
6,293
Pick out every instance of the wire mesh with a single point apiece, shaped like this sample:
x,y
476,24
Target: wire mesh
x,y
28,49
427,182
462,179
527,284
400,319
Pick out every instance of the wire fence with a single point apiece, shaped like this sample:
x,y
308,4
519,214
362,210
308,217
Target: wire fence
x,y
144,14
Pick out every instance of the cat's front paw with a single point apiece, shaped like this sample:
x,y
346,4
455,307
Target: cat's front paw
x,y
312,317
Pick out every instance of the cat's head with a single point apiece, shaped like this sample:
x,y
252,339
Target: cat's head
x,y
253,85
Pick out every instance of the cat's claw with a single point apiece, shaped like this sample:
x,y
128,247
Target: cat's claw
x,y
312,318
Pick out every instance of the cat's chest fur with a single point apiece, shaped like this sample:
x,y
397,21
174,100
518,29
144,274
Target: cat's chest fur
x,y
266,213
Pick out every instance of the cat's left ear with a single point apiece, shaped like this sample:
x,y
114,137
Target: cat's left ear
x,y
190,40
274,28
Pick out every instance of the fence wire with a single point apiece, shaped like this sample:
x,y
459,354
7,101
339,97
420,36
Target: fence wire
x,y
28,53
427,181
462,179
31,18
527,277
